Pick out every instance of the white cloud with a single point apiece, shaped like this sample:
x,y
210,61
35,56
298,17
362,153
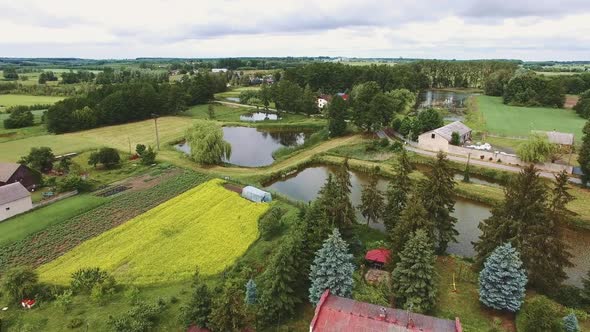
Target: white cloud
x,y
434,28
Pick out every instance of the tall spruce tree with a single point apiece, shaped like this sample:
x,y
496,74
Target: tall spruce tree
x,y
586,287
332,269
337,117
197,310
438,195
584,154
570,323
345,216
525,220
250,292
228,312
397,192
503,280
413,218
414,283
371,206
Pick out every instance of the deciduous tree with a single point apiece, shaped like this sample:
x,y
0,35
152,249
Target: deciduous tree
x,y
205,139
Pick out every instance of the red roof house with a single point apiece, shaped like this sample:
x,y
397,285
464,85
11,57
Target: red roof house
x,y
342,95
338,314
381,256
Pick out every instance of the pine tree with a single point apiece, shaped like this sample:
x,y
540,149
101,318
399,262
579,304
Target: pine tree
x,y
438,195
332,269
228,312
197,310
502,281
414,276
397,192
250,292
570,323
584,154
413,218
525,220
371,206
586,288
345,216
337,117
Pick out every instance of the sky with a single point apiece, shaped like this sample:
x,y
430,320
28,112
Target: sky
x,y
443,29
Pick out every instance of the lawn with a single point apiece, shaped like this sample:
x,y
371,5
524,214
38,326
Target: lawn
x,y
505,120
27,100
208,226
222,112
23,225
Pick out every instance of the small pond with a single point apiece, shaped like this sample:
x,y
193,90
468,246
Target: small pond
x,y
305,186
259,116
233,99
253,147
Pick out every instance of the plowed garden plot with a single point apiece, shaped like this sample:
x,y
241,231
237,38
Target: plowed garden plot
x,y
207,226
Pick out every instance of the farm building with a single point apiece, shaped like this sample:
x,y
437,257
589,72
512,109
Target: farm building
x,y
378,257
14,199
256,195
323,101
334,313
13,172
440,138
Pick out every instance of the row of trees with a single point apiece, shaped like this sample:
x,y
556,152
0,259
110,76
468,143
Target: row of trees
x,y
127,102
530,89
582,107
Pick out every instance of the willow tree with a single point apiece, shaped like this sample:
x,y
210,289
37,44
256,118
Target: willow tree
x,y
205,139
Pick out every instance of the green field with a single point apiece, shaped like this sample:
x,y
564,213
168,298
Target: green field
x,y
208,226
21,226
505,120
26,100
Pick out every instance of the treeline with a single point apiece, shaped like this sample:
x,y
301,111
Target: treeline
x,y
112,76
126,102
335,77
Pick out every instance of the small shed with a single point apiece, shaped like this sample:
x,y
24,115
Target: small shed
x,y
378,257
256,195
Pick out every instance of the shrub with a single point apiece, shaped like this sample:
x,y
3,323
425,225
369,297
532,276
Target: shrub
x,y
140,318
40,159
75,323
270,224
384,142
84,280
64,300
19,283
101,292
72,182
570,323
396,146
132,294
538,314
109,157
19,118
455,138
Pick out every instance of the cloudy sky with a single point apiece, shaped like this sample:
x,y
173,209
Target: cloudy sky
x,y
461,29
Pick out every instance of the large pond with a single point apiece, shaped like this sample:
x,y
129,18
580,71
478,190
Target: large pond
x,y
451,100
253,147
305,186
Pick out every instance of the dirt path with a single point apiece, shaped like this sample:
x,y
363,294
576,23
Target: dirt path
x,y
176,158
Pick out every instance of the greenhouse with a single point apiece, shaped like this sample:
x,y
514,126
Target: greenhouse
x,y
256,195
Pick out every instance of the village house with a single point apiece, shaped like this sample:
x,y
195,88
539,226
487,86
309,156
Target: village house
x,y
339,314
14,199
440,138
323,101
219,70
13,172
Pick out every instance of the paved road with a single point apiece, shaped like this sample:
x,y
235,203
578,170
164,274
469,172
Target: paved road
x,y
463,160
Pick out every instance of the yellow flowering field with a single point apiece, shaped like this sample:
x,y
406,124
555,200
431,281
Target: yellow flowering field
x,y
207,226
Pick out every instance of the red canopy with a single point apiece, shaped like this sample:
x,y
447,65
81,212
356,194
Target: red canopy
x,y
378,255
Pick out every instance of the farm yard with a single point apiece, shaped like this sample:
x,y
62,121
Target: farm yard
x,y
208,227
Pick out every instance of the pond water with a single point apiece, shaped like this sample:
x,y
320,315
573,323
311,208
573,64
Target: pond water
x,y
233,99
450,100
305,186
253,147
259,116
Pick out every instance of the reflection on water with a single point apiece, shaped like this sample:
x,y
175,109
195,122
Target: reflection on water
x,y
254,147
305,186
259,116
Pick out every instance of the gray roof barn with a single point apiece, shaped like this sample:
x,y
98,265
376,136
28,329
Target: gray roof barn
x,y
12,192
6,171
447,131
256,195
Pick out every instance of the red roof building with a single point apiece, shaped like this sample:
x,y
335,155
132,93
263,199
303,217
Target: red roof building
x,y
380,255
338,314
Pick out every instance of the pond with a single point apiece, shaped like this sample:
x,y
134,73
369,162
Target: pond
x,y
305,186
259,116
233,99
253,147
451,100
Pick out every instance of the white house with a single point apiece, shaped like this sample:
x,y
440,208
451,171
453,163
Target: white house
x,y
322,102
440,138
14,199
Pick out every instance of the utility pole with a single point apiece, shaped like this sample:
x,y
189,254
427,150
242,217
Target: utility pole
x,y
156,124
129,140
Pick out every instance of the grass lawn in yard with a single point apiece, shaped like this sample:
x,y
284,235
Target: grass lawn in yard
x,y
19,227
207,226
506,120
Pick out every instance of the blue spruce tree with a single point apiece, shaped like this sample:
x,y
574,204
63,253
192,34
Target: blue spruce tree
x,y
332,269
570,323
502,281
250,292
